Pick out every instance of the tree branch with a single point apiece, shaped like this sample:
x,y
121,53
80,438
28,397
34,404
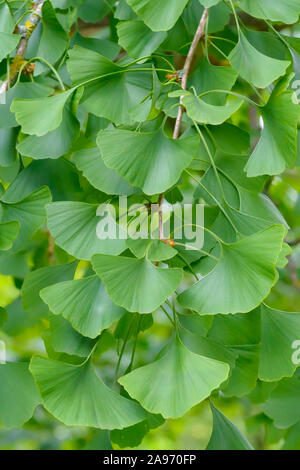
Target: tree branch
x,y
187,67
186,70
25,31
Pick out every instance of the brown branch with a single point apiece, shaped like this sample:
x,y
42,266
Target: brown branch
x,y
186,70
25,31
187,67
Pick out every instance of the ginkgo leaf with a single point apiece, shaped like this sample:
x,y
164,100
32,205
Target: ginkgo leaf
x,y
19,395
151,161
209,77
157,15
136,284
85,303
55,143
76,396
255,67
225,435
40,115
90,162
7,23
209,3
8,233
64,339
111,91
74,228
279,331
252,257
29,212
53,39
283,403
37,280
137,39
187,379
286,12
277,147
8,42
206,113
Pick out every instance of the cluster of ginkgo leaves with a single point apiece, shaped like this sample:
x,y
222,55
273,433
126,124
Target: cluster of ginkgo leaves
x,y
88,115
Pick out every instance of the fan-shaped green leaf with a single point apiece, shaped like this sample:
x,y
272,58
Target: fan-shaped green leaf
x,y
8,233
85,303
76,396
283,403
151,161
255,67
254,258
277,146
37,280
29,212
225,435
18,394
137,39
111,91
286,12
179,380
73,226
8,42
136,284
90,162
206,113
40,115
157,15
279,331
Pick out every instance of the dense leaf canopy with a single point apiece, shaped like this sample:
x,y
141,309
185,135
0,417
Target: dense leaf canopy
x,y
142,110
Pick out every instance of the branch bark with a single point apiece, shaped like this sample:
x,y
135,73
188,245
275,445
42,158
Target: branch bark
x,y
186,70
25,31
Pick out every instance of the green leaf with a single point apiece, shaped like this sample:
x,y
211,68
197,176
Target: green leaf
x,y
208,77
7,23
225,435
73,226
85,303
136,284
18,394
8,139
286,12
64,339
255,67
277,146
76,396
283,403
29,212
3,316
205,113
137,39
157,15
40,115
279,331
187,379
151,161
255,257
54,39
55,143
90,162
8,233
8,42
111,91
37,280
209,3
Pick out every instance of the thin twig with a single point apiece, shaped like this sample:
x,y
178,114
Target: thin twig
x,y
187,67
186,70
26,32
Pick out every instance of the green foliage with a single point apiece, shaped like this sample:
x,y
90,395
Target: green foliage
x,y
170,104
